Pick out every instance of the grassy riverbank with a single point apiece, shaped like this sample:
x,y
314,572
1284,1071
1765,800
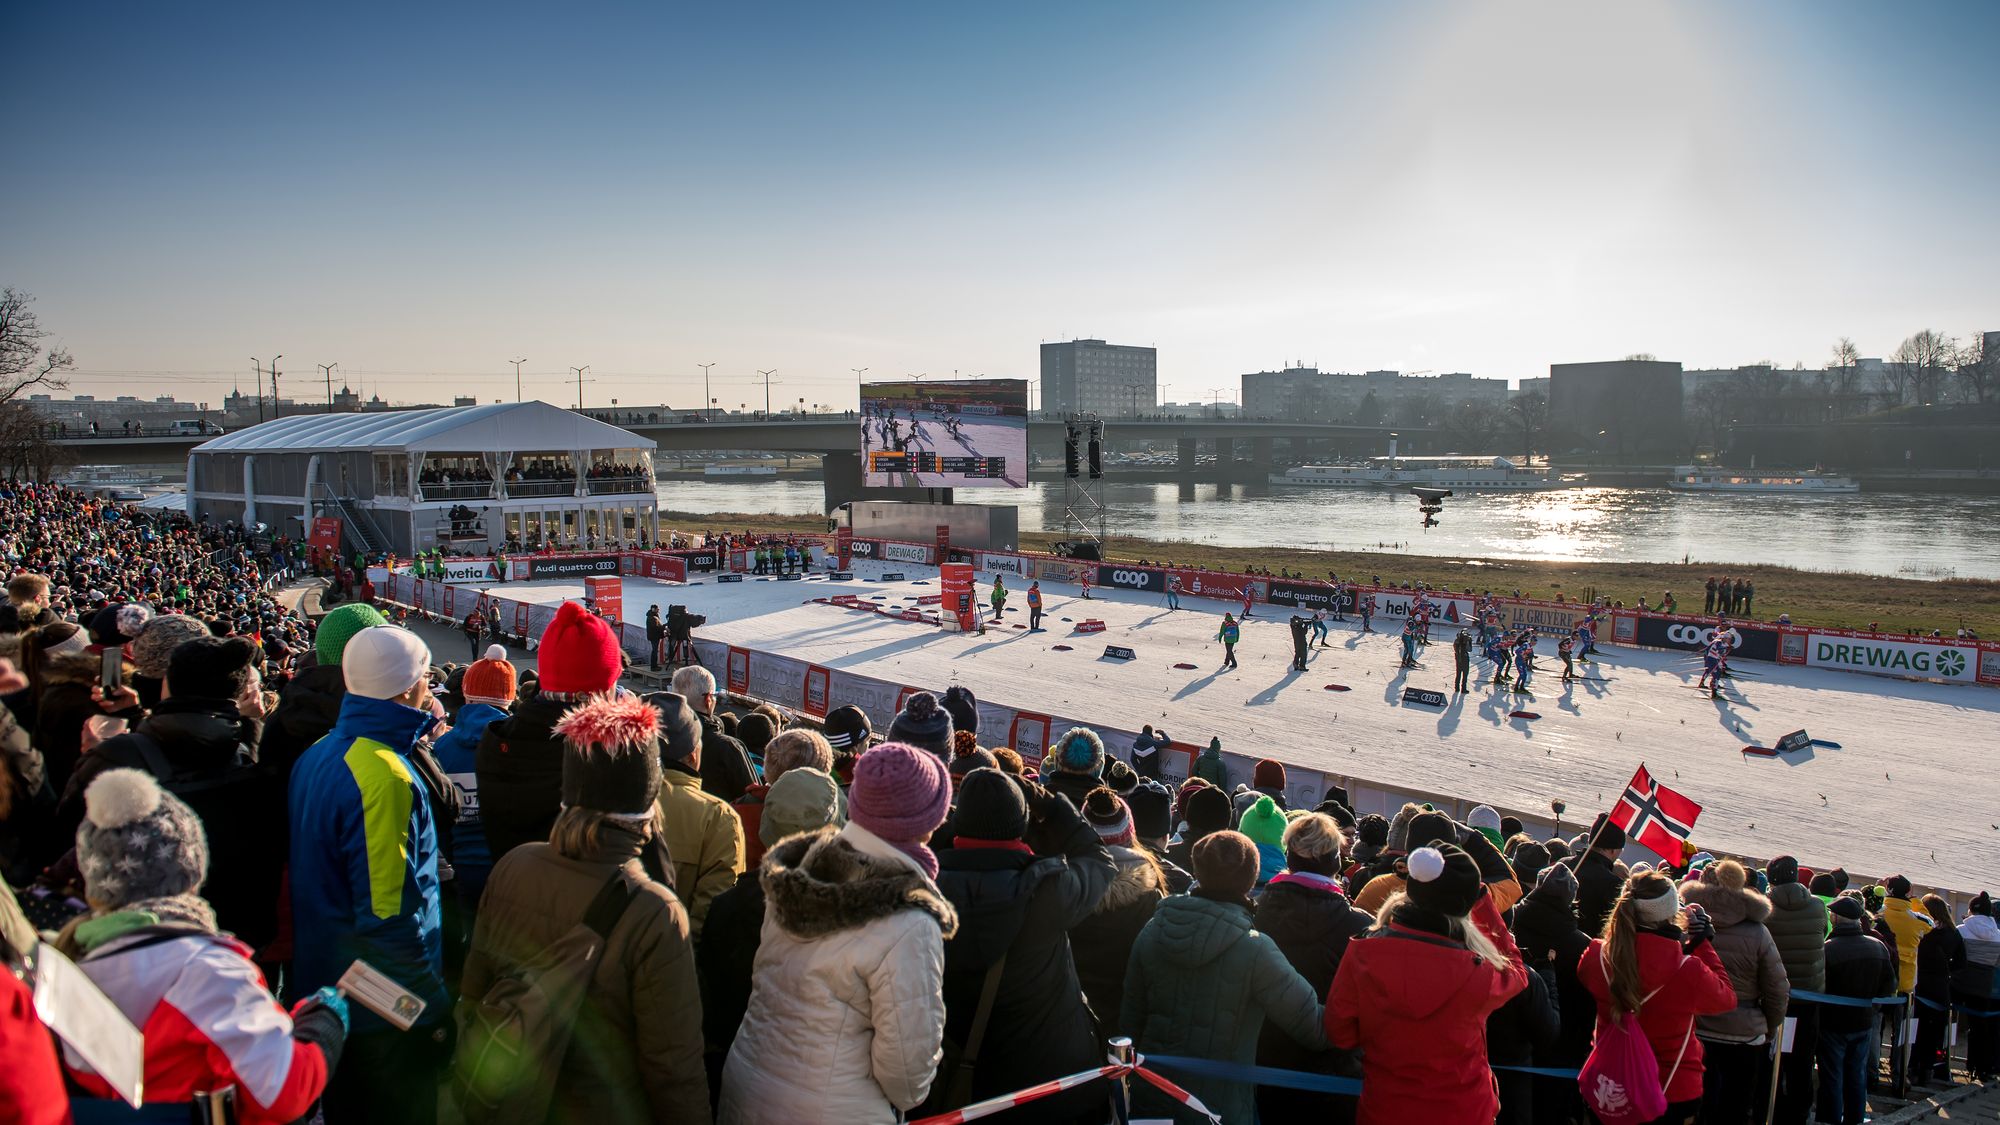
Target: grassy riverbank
x,y
1811,597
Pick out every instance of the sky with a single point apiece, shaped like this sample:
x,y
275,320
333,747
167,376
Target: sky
x,y
421,193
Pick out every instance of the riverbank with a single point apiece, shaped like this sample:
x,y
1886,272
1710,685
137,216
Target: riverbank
x,y
1832,599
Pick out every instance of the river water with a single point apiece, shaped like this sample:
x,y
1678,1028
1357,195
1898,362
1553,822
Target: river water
x,y
1913,535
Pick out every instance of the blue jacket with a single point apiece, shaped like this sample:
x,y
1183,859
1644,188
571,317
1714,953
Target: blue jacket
x,y
365,858
470,858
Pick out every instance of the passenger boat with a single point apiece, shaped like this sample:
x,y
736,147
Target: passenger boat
x,y
1692,478
1491,474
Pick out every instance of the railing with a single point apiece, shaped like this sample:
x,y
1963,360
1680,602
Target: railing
x,y
600,485
356,520
457,490
528,488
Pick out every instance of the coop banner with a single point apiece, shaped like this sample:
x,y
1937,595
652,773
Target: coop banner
x,y
1694,635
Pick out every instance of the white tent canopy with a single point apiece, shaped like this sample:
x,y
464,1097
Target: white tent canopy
x,y
499,428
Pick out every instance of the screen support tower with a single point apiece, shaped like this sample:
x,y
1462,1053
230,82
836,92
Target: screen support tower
x,y
1084,515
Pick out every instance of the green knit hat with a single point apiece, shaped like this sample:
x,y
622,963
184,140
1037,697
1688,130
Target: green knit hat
x,y
339,627
1264,823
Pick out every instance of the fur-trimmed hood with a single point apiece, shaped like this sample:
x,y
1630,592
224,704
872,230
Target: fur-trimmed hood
x,y
817,884
1139,878
1727,907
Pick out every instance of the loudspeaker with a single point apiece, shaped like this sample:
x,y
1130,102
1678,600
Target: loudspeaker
x,y
1118,652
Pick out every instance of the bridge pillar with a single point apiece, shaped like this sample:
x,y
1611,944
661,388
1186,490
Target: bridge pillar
x,y
1186,452
1262,457
1225,458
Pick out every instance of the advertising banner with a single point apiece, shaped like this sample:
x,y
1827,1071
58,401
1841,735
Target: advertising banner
x,y
1029,736
1058,570
451,602
1013,565
1989,664
957,607
1301,595
325,540
861,548
1445,611
520,619
606,595
1209,584
567,566
736,677
466,572
703,561
1692,634
1547,618
1930,660
1120,577
778,679
876,698
819,683
843,542
963,433
905,552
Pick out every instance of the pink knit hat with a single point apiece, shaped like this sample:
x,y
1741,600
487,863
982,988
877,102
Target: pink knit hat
x,y
901,793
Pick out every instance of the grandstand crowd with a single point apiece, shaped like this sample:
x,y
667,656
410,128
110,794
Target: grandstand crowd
x,y
605,906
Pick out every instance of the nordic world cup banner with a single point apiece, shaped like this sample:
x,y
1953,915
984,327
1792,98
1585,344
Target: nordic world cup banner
x,y
962,433
1694,635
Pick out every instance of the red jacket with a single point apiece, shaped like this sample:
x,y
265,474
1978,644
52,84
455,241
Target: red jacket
x,y
1417,1004
1696,985
750,810
31,1085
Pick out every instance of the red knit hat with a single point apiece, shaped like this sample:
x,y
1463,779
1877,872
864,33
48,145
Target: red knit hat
x,y
490,679
579,654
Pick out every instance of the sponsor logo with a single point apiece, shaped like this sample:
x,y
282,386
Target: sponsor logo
x,y
460,572
1912,660
572,567
1003,564
1129,578
906,552
1696,635
862,549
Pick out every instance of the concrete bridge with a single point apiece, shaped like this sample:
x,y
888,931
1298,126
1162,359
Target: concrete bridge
x,y
1222,449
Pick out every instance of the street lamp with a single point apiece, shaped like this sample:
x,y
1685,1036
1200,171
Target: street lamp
x,y
257,365
707,397
327,370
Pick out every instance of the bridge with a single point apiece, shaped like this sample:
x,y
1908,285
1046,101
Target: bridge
x,y
1216,449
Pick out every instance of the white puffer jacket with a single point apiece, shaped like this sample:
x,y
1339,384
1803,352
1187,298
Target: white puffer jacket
x,y
846,1001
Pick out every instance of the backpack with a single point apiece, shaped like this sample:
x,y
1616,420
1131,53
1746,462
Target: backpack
x,y
512,1041
1620,1081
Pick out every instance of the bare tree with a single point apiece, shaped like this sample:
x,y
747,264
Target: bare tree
x,y
1472,427
1709,407
1528,414
23,363
1919,363
1844,373
1642,357
1979,368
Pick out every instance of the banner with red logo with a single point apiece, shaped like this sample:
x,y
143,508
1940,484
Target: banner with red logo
x,y
956,580
819,685
843,542
1029,736
325,538
736,676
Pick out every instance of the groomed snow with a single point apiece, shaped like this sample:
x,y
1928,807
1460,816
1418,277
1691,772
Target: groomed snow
x,y
1913,779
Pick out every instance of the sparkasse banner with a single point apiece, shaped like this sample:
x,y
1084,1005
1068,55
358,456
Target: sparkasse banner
x,y
1893,658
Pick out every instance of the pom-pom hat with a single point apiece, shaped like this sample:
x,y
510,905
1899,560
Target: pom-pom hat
x,y
490,679
138,842
1443,879
579,655
924,723
901,794
611,764
1080,751
339,626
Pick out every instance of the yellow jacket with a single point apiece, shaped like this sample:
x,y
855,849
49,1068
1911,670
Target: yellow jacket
x,y
1909,922
705,838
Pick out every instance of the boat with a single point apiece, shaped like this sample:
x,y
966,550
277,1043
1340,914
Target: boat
x,y
739,471
88,477
1697,478
1475,474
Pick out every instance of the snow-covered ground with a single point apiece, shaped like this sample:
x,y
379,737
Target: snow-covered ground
x,y
1912,787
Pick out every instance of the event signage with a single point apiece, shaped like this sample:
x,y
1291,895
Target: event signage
x,y
1425,696
1056,570
568,566
1131,578
862,548
481,570
1693,636
1444,611
1004,564
1893,658
904,552
703,561
817,687
1302,595
1210,584
1547,618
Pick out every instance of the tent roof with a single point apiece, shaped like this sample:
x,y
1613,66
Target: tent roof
x,y
501,427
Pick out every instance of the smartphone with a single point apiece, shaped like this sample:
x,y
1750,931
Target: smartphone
x,y
112,674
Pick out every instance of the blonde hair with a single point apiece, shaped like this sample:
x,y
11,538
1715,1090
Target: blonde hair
x,y
1312,835
579,832
1457,927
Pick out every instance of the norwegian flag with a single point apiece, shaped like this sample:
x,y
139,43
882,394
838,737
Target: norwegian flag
x,y
1653,816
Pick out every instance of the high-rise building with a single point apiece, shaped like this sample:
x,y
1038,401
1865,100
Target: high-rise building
x,y
1093,377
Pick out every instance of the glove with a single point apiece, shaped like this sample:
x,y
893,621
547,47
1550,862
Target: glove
x,y
328,998
1699,927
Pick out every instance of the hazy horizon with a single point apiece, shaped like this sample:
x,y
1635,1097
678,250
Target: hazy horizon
x,y
424,194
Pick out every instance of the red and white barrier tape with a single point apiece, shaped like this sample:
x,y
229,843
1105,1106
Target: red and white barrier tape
x,y
991,1106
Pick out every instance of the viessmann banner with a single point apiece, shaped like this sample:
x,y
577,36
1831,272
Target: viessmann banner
x,y
1693,636
1893,658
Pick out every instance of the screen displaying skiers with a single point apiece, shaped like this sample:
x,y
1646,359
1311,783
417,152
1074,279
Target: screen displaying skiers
x,y
965,433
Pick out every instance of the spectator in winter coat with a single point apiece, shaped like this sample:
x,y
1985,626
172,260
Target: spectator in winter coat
x,y
1644,963
150,942
1102,943
154,649
1798,925
310,704
1153,825
1207,813
1518,1033
1940,954
634,1055
1415,994
803,799
1544,926
1075,765
1909,922
846,1009
1394,845
1736,1044
1203,981
924,723
1306,913
199,736
364,875
1024,869
1858,965
27,604
1979,987
1433,828
725,764
1267,779
1265,825
519,761
789,750
31,1084
488,689
701,831
1600,877
1209,767
1146,750
64,671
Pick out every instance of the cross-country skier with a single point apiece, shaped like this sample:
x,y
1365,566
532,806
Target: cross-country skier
x,y
1586,637
1173,592
1249,595
1461,659
1524,661
1564,648
1319,628
1409,644
1713,660
1367,612
1498,654
1228,635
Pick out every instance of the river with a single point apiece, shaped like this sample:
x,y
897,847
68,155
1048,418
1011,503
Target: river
x,y
1911,535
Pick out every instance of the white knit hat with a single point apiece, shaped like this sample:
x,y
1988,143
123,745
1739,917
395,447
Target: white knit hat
x,y
383,662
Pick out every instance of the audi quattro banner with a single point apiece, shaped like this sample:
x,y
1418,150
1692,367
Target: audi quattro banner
x,y
567,566
1131,578
1302,595
1693,635
1934,660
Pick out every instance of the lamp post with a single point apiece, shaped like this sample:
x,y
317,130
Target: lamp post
x,y
767,390
517,377
707,398
326,369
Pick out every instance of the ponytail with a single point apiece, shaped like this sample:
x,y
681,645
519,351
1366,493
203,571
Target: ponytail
x,y
1621,939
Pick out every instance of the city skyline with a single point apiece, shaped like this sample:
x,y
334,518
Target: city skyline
x,y
1427,187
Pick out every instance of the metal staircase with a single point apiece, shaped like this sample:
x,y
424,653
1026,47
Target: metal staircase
x,y
354,518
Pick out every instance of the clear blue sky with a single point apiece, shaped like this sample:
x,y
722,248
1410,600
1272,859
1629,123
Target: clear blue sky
x,y
424,191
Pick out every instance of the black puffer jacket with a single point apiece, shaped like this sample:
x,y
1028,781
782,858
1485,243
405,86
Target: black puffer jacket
x,y
725,764
209,753
1598,883
1544,924
1102,943
519,767
1023,906
1312,924
305,713
61,710
1940,953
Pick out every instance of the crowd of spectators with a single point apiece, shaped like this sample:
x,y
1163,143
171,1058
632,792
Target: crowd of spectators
x,y
799,922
